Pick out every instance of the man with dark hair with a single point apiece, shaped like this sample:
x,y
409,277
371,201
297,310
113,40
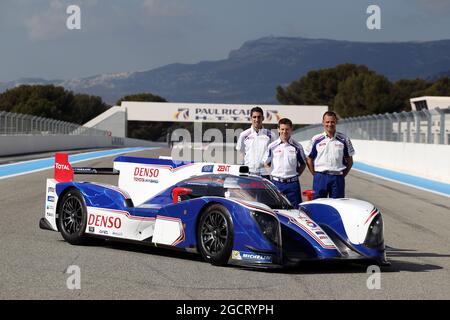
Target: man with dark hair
x,y
286,158
253,142
330,159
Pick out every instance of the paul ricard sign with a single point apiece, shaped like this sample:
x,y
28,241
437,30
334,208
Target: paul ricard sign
x,y
220,113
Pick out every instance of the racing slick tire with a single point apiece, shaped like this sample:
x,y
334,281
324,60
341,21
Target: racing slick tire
x,y
215,235
72,219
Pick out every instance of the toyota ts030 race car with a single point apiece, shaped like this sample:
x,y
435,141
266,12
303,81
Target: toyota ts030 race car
x,y
217,210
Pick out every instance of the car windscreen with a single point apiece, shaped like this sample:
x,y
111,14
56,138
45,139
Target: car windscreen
x,y
257,191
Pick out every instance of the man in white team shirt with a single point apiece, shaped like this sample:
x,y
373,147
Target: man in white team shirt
x,y
286,158
253,143
330,159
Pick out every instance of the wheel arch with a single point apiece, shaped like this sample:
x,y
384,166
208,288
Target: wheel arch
x,y
210,204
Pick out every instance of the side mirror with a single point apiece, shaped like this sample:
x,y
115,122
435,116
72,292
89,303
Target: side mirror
x,y
309,194
179,191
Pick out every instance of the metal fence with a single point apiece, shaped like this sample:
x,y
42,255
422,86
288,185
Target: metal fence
x,y
425,126
24,124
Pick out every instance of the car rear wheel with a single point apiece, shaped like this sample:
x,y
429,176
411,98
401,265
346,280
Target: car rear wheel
x,y
72,217
215,235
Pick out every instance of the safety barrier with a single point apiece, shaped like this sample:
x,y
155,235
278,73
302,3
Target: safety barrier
x,y
424,126
24,124
21,134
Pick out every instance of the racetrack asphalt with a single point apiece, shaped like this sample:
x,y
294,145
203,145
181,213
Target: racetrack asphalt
x,y
33,262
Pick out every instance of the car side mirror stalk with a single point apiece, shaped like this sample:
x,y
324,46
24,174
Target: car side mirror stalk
x,y
309,194
179,191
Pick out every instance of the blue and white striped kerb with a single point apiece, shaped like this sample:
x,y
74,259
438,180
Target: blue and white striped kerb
x,y
440,188
19,168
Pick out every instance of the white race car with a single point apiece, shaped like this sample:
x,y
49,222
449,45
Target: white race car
x,y
217,210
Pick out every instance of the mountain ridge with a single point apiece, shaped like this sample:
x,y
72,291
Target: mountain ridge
x,y
251,73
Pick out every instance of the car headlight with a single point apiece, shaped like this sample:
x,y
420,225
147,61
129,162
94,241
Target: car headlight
x,y
268,224
375,236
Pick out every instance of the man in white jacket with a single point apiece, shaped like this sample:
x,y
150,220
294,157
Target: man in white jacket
x,y
253,142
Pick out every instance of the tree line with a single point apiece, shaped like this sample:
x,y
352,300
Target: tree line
x,y
53,102
348,89
353,90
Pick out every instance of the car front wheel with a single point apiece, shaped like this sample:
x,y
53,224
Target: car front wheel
x,y
215,235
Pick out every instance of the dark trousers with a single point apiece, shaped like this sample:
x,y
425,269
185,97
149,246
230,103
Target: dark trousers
x,y
327,185
291,190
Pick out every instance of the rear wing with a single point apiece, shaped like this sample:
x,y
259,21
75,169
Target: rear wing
x,y
64,171
144,178
89,170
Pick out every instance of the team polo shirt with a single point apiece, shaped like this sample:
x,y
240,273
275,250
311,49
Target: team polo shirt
x,y
285,158
254,146
329,153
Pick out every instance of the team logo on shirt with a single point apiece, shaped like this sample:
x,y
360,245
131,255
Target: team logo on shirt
x,y
350,146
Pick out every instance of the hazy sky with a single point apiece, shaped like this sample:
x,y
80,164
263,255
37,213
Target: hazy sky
x,y
133,35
